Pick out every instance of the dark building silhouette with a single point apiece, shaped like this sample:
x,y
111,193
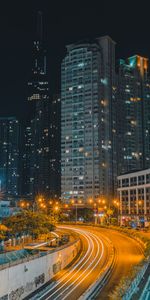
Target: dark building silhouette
x,y
41,158
36,164
55,149
9,156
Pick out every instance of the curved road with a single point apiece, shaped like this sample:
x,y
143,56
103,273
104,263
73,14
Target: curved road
x,y
96,252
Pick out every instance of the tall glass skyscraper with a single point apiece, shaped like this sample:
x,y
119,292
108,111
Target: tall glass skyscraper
x,y
37,130
41,157
86,120
133,115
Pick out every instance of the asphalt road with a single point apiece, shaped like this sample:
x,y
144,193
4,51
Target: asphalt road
x,y
96,250
129,253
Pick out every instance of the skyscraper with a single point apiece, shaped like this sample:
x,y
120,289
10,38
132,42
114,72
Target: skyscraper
x,y
55,145
87,154
133,126
107,118
37,174
41,156
28,149
9,156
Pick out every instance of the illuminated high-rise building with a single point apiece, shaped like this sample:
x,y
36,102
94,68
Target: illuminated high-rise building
x,y
9,156
41,157
36,156
55,145
133,128
88,120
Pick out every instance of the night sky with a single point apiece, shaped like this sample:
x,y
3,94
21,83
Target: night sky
x,y
127,22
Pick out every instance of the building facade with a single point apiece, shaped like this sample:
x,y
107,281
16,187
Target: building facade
x,y
87,156
134,196
41,155
36,157
55,146
9,156
133,115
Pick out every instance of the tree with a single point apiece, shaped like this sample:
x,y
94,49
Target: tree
x,y
28,222
3,232
109,213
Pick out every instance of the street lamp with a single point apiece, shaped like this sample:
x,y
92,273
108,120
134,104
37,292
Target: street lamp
x,y
56,208
116,203
95,213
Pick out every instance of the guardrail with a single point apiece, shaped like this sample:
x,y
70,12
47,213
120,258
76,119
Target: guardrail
x,y
134,285
146,292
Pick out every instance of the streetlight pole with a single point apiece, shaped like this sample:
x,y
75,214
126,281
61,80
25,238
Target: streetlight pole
x,y
76,213
118,213
117,204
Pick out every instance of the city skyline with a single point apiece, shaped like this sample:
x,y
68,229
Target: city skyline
x,y
17,32
74,150
93,84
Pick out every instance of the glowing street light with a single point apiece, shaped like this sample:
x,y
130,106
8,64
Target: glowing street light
x,y
117,204
56,208
90,201
66,205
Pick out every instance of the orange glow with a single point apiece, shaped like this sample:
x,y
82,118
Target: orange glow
x,y
66,205
138,61
145,63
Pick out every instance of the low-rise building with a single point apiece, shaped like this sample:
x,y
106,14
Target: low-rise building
x,y
7,208
134,194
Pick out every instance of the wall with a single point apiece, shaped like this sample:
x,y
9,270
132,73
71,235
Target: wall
x,y
18,281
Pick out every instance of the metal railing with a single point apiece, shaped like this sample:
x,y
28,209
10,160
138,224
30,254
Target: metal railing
x,y
134,285
146,292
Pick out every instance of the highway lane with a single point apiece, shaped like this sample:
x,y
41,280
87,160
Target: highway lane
x,y
76,279
129,253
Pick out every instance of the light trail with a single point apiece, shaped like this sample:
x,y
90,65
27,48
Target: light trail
x,y
90,245
86,272
74,274
94,276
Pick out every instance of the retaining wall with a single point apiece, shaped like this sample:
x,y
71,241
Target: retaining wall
x,y
18,281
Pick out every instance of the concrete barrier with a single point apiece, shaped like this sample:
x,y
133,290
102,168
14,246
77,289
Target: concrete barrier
x,y
20,280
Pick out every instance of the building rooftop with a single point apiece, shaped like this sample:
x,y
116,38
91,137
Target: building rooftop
x,y
134,171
